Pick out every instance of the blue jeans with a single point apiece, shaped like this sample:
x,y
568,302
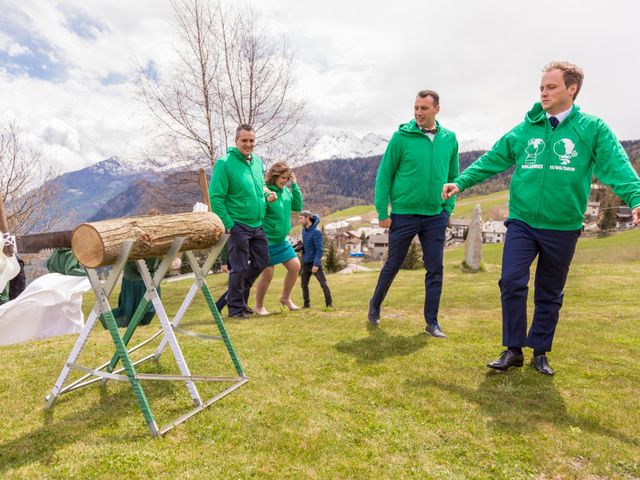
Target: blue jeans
x,y
431,232
554,249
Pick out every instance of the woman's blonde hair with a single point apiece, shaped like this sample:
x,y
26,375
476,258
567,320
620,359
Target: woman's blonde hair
x,y
278,169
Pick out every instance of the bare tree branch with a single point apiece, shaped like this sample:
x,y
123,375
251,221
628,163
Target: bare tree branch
x,y
230,71
25,185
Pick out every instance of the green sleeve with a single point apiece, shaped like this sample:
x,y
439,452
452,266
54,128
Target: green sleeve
x,y
218,188
612,167
384,179
496,160
454,170
64,261
296,201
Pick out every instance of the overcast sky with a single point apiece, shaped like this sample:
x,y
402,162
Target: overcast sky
x,y
66,66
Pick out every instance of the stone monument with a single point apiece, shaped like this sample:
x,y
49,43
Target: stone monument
x,y
473,243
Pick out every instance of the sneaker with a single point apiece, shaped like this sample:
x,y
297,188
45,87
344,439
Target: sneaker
x,y
434,331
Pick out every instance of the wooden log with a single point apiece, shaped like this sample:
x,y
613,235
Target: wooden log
x,y
97,244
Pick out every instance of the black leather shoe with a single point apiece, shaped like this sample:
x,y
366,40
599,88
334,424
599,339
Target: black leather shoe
x,y
507,359
541,363
435,331
373,316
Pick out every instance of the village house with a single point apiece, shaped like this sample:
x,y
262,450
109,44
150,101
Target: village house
x,y
378,246
353,245
624,218
493,231
593,210
458,227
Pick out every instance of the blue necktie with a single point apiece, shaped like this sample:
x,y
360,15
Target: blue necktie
x,y
554,122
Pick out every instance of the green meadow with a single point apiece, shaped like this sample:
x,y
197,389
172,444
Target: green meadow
x,y
330,398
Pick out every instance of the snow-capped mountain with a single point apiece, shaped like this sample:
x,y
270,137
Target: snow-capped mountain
x,y
346,144
111,166
472,145
115,167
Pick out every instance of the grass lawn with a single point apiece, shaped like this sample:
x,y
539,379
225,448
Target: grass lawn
x,y
493,205
330,398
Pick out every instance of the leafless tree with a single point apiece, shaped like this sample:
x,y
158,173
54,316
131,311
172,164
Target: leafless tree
x,y
230,71
25,184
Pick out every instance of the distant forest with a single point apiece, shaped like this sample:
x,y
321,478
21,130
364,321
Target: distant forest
x,y
331,185
327,186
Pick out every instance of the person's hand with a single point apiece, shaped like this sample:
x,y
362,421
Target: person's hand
x,y
224,268
314,269
386,223
292,178
272,197
449,190
636,215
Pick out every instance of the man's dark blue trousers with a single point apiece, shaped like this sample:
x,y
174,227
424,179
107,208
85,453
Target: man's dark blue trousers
x,y
431,233
554,249
248,255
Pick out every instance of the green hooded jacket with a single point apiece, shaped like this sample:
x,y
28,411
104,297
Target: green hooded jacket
x,y
236,189
413,170
63,261
277,219
553,168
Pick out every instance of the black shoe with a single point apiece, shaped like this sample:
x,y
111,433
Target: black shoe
x,y
240,316
306,306
541,364
373,316
248,310
507,359
435,331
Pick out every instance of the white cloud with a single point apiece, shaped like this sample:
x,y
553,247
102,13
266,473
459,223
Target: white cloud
x,y
16,49
359,65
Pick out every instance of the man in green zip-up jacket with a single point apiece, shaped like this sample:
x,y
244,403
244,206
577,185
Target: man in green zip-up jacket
x,y
420,157
555,150
237,193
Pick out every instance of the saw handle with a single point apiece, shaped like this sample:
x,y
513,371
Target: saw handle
x,y
204,187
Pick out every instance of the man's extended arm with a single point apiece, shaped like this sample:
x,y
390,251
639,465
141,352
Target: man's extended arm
x,y
317,241
496,160
454,172
384,179
612,167
218,189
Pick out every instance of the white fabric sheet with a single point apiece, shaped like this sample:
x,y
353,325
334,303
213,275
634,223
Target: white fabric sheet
x,y
50,305
9,268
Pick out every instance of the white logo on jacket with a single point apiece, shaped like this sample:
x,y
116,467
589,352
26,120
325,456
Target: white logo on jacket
x,y
565,149
535,147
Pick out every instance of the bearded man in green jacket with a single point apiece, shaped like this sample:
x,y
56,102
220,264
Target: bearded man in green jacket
x,y
555,150
420,157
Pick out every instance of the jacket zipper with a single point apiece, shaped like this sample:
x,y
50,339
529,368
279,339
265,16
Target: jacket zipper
x,y
549,136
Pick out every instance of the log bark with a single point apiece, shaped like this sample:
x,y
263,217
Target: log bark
x,y
97,244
